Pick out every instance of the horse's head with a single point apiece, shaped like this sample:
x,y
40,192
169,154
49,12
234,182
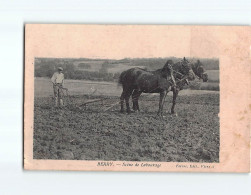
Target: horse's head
x,y
199,71
166,67
185,70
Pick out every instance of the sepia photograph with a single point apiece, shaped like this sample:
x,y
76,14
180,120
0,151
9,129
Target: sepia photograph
x,y
140,109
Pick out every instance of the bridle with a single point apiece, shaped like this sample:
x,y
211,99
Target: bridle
x,y
183,76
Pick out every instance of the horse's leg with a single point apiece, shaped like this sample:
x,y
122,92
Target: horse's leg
x,y
135,99
175,94
122,97
127,97
161,99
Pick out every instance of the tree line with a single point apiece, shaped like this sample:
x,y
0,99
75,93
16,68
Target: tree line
x,y
46,68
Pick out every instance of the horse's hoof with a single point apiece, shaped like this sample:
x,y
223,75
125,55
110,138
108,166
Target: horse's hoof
x,y
174,114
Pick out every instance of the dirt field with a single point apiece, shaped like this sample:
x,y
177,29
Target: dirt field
x,y
91,133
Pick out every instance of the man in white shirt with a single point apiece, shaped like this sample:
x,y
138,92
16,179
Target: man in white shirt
x,y
58,79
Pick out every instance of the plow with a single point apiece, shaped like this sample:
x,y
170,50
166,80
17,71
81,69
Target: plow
x,y
89,101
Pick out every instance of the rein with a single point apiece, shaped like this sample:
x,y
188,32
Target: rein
x,y
178,73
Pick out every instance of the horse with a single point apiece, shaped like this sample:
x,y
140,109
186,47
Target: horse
x,y
136,81
199,72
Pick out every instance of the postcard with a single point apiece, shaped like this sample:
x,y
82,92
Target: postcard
x,y
159,98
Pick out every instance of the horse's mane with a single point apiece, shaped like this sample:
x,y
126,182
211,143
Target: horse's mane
x,y
177,66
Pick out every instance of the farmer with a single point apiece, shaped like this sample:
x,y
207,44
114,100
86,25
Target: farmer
x,y
58,79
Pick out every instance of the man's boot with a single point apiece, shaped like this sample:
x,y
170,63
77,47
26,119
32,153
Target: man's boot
x,y
61,103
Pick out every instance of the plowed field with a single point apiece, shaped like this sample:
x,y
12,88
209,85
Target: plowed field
x,y
91,133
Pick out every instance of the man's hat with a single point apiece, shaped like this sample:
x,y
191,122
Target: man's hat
x,y
60,68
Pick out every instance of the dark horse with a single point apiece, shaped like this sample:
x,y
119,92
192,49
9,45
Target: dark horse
x,y
199,72
136,81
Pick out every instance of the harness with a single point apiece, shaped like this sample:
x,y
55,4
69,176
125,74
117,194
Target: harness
x,y
197,69
184,77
